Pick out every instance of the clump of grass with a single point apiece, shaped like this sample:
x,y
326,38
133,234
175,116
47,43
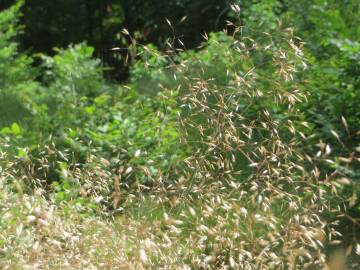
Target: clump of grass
x,y
264,203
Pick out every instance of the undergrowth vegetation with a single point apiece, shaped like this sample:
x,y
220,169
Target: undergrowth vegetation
x,y
216,158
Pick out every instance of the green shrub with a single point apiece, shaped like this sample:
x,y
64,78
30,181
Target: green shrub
x,y
17,83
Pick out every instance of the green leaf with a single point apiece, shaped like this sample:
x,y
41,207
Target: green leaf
x,y
15,128
22,153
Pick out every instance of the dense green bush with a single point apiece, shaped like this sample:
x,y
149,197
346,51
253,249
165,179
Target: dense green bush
x,y
76,121
16,75
331,31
